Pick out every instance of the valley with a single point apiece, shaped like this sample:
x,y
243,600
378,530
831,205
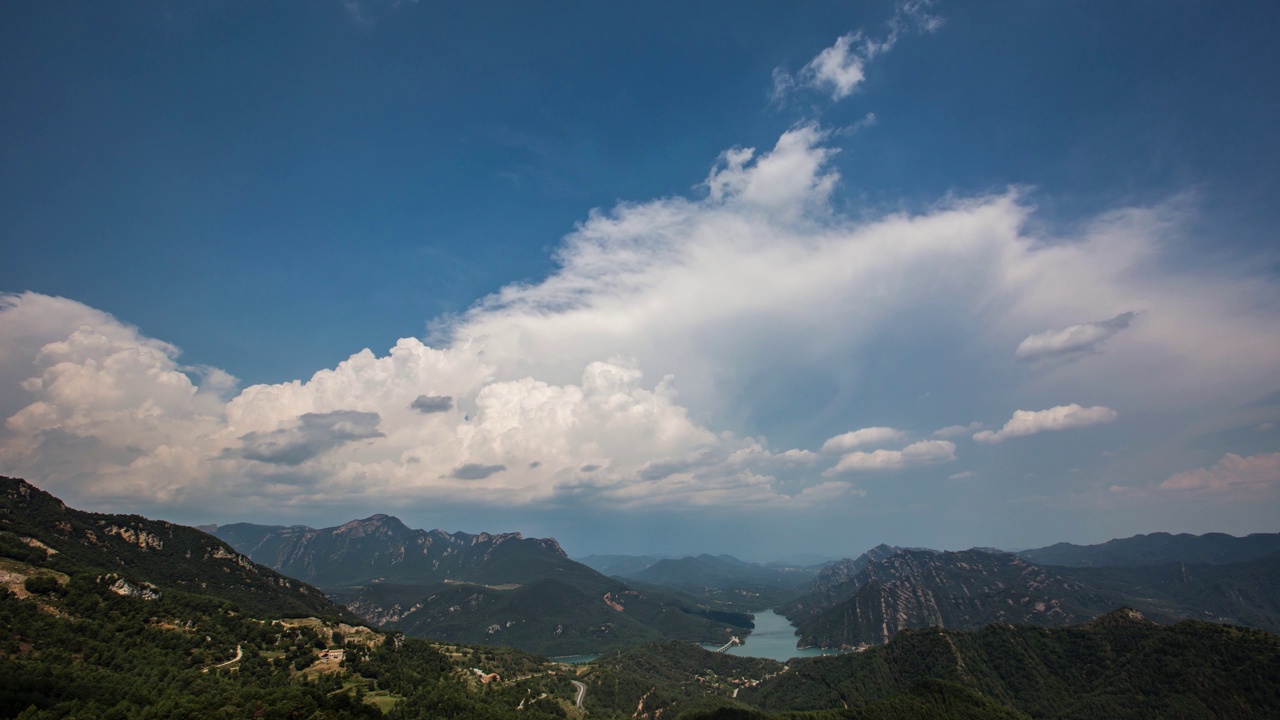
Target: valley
x,y
121,616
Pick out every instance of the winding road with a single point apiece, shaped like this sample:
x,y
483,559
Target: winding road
x,y
582,692
239,654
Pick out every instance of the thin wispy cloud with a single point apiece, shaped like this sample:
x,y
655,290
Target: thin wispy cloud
x,y
1062,417
862,438
838,70
925,452
1073,341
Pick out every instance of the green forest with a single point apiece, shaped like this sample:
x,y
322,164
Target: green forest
x,y
106,616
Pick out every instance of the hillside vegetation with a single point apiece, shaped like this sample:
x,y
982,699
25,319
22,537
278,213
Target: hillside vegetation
x,y
972,588
482,589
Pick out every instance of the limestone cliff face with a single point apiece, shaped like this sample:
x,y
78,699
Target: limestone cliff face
x,y
835,583
912,588
381,548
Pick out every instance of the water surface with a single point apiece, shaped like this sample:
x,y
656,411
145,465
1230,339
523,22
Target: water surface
x,y
774,638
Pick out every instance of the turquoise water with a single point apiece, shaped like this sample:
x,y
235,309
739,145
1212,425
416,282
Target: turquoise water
x,y
774,638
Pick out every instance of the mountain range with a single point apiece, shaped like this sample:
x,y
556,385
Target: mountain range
x,y
723,579
105,615
486,589
870,599
1158,549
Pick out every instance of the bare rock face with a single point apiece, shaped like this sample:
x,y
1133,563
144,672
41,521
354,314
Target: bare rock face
x,y
146,558
381,548
968,589
120,586
842,571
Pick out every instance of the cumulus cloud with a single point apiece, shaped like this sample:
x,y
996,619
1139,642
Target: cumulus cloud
x,y
925,452
1233,475
863,438
314,434
1072,341
836,69
965,475
427,404
640,351
1062,417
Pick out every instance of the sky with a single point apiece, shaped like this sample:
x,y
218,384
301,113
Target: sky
x,y
760,278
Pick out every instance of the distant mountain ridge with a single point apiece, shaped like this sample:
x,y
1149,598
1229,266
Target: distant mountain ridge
x,y
381,548
1158,549
486,589
745,585
972,588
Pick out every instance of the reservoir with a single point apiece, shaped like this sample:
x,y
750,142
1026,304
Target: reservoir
x,y
774,638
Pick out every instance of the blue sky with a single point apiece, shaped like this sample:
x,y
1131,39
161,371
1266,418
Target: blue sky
x,y
990,274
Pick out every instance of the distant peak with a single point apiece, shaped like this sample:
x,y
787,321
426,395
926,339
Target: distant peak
x,y
371,522
1120,616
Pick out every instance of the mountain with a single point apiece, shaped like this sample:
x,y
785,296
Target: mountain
x,y
724,578
486,589
968,589
383,549
1118,666
118,616
142,553
1159,549
1244,593
834,583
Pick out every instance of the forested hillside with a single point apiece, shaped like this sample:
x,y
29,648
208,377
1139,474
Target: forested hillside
x,y
490,588
168,556
968,589
108,616
1118,666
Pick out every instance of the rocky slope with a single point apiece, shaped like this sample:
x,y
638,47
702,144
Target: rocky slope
x,y
969,589
383,549
150,556
954,589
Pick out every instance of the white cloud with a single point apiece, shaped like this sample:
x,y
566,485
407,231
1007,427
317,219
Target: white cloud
x,y
925,452
841,68
1072,341
837,69
1232,476
863,438
1062,417
957,430
761,278
962,475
